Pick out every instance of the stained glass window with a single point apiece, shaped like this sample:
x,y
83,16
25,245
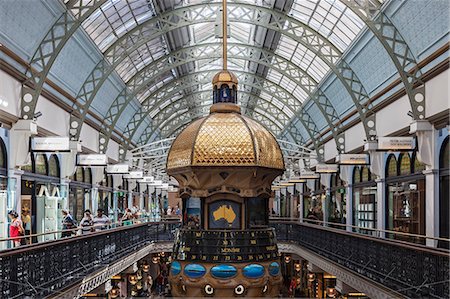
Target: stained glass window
x,y
391,169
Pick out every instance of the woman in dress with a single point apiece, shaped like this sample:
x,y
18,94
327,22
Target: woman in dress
x,y
15,228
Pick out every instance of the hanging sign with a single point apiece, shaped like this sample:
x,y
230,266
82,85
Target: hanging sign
x,y
296,179
326,168
50,144
304,175
92,160
353,159
117,168
134,174
146,179
156,183
396,143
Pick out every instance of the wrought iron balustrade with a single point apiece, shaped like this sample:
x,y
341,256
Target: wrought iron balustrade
x,y
42,269
410,269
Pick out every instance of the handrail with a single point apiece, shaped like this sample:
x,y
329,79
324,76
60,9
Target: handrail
x,y
296,220
58,233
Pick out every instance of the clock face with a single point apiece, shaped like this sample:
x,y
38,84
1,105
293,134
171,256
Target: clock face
x,y
224,214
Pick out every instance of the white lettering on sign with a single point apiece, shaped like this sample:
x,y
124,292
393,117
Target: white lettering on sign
x,y
396,143
50,144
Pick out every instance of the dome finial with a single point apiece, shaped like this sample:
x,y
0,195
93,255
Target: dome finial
x,y
224,82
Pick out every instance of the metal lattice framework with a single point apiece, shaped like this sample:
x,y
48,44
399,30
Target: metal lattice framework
x,y
368,10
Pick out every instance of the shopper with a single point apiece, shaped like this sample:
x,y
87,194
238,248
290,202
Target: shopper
x,y
86,223
178,211
101,221
68,223
26,219
169,211
127,218
15,228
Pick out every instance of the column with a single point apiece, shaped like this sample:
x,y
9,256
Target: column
x,y
130,199
300,207
381,206
349,207
115,205
94,199
291,203
431,205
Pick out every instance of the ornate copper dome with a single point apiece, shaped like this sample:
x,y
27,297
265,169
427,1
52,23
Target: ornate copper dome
x,y
225,138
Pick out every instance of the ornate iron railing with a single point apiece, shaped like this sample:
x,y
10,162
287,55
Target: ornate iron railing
x,y
42,269
410,269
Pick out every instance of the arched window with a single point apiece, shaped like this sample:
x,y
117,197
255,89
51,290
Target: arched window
x,y
405,164
444,155
418,166
365,174
79,176
334,180
3,155
87,175
444,196
40,164
391,168
356,175
53,166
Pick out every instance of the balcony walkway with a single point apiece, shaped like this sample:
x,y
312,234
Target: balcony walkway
x,y
73,266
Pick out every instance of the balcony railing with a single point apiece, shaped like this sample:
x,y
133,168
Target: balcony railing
x,y
42,269
410,269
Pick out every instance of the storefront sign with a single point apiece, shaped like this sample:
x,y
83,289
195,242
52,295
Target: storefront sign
x,y
155,183
326,168
396,143
353,159
296,179
50,144
117,168
146,179
308,175
92,160
134,174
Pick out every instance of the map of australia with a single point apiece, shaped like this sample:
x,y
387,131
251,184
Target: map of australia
x,y
226,213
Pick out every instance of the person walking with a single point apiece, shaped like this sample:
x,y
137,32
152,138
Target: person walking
x,y
101,221
127,218
68,223
86,223
15,228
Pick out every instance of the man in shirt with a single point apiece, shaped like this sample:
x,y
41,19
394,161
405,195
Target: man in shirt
x,y
101,221
26,219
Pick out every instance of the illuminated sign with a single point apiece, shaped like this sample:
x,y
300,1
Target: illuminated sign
x,y
50,144
117,168
353,159
396,143
92,160
326,168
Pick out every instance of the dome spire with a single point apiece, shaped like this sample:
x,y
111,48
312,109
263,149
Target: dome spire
x,y
224,82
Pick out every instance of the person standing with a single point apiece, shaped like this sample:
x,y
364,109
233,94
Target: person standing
x,y
127,218
15,228
26,219
101,221
68,223
86,223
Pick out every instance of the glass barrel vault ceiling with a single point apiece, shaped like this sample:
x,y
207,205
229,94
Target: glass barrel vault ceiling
x,y
329,18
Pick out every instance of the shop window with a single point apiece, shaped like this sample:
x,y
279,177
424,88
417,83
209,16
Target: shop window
x,y
405,164
337,209
391,169
444,196
405,200
40,164
53,166
364,201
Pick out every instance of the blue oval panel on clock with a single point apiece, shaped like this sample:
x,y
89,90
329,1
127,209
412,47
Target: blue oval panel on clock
x,y
175,268
194,270
223,271
274,269
253,271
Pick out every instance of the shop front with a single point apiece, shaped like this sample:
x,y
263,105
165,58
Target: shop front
x,y
405,197
364,200
444,196
3,194
80,192
41,197
105,195
338,209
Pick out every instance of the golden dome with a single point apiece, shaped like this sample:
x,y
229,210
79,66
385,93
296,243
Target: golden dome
x,y
225,138
224,77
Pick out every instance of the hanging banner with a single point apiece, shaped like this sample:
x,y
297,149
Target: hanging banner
x,y
326,168
305,175
50,144
92,160
396,143
117,168
134,174
353,159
